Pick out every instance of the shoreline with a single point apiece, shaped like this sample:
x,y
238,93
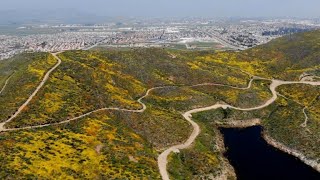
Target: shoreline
x,y
270,141
227,170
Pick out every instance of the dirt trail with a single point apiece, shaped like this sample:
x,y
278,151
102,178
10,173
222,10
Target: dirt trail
x,y
5,84
306,118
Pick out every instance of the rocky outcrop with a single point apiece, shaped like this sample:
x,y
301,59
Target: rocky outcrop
x,y
313,163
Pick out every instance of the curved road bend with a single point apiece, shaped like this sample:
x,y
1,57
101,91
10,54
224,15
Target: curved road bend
x,y
163,157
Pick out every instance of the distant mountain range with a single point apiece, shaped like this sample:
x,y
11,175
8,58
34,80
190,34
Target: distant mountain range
x,y
13,17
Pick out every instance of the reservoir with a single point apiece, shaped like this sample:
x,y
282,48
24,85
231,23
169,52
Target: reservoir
x,y
253,159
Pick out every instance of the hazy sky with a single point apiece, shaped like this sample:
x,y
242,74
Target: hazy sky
x,y
176,8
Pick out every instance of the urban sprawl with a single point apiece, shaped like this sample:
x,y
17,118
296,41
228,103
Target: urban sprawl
x,y
228,34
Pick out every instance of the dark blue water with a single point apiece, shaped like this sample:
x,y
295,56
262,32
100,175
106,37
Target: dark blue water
x,y
253,159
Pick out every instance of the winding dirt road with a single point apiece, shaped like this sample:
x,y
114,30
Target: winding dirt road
x,y
144,107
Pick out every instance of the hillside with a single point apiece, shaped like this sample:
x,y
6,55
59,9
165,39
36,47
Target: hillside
x,y
109,113
23,73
